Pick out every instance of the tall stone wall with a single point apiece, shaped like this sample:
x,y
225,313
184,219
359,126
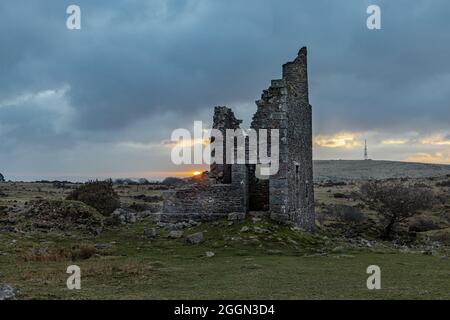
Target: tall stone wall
x,y
285,106
299,157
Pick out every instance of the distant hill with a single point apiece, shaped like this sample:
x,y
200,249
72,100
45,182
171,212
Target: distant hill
x,y
341,170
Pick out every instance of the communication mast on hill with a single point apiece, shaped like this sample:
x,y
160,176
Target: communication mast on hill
x,y
366,156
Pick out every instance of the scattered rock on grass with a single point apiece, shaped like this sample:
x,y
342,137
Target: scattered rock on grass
x,y
179,225
124,216
175,234
337,249
195,238
7,292
245,229
236,216
260,230
102,246
150,233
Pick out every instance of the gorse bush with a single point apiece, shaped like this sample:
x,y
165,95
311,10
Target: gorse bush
x,y
97,194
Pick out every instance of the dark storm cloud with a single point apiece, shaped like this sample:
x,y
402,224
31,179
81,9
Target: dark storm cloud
x,y
136,60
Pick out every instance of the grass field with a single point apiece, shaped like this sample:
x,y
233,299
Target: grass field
x,y
254,259
280,264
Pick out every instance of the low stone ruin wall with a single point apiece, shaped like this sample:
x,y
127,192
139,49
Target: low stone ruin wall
x,y
177,218
204,200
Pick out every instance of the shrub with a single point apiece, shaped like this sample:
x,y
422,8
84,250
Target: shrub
x,y
442,235
145,198
63,215
339,195
395,201
3,210
59,184
446,216
173,182
76,252
82,252
443,183
143,181
330,183
424,223
138,207
345,213
97,194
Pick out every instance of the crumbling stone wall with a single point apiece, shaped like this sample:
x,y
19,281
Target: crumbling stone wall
x,y
285,106
204,199
272,114
289,194
223,119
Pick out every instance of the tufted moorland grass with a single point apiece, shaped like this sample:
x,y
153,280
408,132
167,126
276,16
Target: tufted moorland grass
x,y
269,263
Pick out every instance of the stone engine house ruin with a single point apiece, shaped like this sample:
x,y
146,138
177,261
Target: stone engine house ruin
x,y
235,188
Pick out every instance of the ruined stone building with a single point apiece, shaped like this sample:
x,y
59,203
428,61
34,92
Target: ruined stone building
x,y
288,195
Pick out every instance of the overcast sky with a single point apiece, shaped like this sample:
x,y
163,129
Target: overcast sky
x,y
102,101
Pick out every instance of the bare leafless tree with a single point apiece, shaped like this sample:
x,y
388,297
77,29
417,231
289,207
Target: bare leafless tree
x,y
395,201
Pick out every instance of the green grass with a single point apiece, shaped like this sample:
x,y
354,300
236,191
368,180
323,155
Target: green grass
x,y
281,264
